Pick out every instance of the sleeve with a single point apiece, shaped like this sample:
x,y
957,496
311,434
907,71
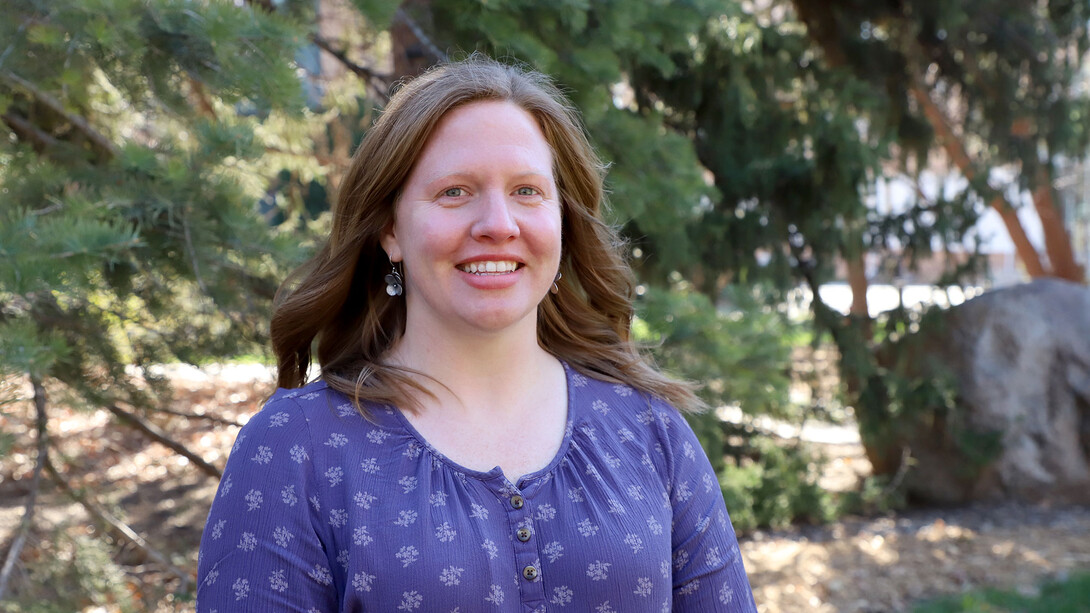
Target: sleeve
x,y
262,548
708,573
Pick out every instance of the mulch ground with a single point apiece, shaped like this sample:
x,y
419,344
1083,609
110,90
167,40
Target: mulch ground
x,y
861,565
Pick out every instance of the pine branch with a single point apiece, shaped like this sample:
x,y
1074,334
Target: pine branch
x,y
360,71
71,254
259,286
212,418
326,160
192,253
160,437
203,101
57,107
418,32
116,526
35,485
28,131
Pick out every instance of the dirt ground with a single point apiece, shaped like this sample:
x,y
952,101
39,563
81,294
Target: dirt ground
x,y
857,565
885,564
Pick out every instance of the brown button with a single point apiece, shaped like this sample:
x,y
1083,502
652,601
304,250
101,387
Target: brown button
x,y
523,534
530,573
516,501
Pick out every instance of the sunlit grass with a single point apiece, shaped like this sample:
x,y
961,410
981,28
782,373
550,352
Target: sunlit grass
x,y
1071,595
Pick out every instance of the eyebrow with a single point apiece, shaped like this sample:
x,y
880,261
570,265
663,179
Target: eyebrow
x,y
435,181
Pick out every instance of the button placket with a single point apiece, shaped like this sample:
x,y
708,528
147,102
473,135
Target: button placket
x,y
524,543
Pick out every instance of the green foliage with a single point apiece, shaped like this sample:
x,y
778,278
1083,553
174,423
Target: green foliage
x,y
1069,595
737,357
1009,64
72,573
129,233
740,355
780,137
908,398
27,350
657,183
379,12
774,486
878,494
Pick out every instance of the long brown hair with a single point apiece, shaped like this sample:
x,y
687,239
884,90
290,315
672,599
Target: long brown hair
x,y
339,300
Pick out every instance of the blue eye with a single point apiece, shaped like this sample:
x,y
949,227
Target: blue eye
x,y
454,192
526,191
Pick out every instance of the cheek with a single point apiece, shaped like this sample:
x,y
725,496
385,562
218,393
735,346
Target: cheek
x,y
549,233
428,235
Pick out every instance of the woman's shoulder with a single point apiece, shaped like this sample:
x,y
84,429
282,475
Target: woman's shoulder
x,y
598,399
320,405
595,388
302,396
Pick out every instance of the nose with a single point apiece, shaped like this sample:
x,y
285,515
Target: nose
x,y
495,219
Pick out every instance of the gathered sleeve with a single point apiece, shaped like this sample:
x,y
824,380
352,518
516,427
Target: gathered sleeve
x,y
708,573
263,547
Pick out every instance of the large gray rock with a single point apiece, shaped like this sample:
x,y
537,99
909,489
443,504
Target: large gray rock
x,y
1021,356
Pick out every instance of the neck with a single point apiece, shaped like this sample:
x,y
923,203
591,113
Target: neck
x,y
476,372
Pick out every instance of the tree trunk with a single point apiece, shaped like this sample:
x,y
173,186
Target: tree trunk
x,y
1057,241
1025,249
956,150
857,280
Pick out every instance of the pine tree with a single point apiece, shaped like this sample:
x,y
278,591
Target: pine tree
x,y
991,82
135,148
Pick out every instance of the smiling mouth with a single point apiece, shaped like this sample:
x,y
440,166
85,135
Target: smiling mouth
x,y
489,268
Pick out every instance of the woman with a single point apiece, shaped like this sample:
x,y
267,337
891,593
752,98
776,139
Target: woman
x,y
484,435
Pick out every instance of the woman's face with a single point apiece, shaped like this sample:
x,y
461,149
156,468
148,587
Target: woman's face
x,y
477,224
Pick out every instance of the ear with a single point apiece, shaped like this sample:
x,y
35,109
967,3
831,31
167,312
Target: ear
x,y
389,243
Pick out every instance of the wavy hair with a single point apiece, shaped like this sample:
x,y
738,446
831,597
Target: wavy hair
x,y
337,303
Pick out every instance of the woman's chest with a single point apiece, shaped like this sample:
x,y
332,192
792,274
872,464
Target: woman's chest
x,y
433,542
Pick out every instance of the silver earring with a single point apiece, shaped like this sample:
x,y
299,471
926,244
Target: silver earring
x,y
556,288
395,286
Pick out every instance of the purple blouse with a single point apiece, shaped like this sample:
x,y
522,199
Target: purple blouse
x,y
321,510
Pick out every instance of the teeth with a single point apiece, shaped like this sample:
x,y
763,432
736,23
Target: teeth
x,y
483,268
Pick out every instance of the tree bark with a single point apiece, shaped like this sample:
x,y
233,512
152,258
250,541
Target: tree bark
x,y
1061,256
857,280
29,132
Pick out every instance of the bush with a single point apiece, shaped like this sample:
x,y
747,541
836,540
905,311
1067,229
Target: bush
x,y
775,487
70,572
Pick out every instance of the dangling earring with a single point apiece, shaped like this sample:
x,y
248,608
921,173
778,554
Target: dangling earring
x,y
556,288
394,284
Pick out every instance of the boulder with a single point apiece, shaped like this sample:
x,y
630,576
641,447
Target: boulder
x,y
1020,357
